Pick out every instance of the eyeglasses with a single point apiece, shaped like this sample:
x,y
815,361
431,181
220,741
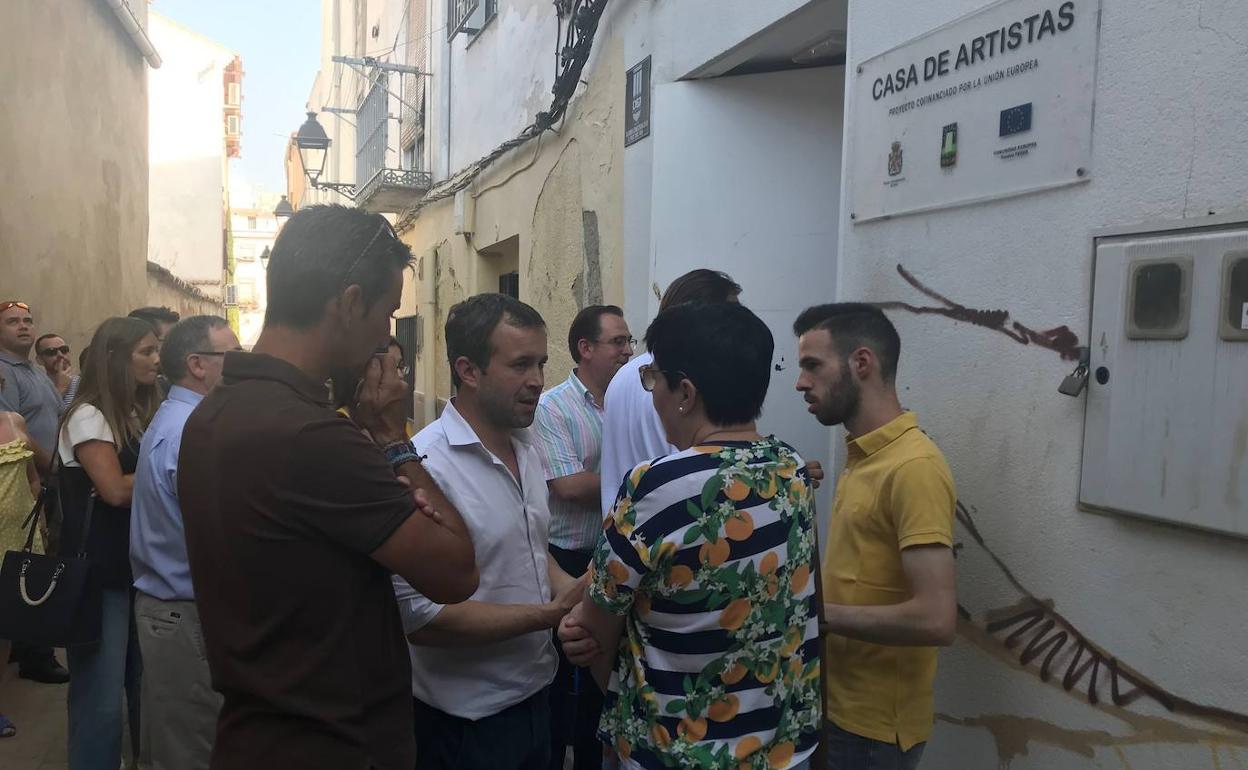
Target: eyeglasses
x,y
385,227
622,341
53,351
214,352
650,376
6,305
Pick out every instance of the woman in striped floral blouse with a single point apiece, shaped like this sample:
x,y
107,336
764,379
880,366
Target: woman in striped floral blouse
x,y
702,592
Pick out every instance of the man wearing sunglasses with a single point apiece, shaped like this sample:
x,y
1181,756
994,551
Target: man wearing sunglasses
x,y
53,352
26,389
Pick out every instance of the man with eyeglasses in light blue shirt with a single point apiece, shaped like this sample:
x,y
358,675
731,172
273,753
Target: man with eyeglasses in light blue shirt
x,y
179,705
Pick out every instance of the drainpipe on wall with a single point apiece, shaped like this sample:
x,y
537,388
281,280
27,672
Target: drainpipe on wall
x,y
121,10
429,346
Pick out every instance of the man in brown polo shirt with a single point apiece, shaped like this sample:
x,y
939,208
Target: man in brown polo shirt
x,y
295,519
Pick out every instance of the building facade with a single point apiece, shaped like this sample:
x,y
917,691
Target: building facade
x,y
253,228
695,134
1089,638
194,130
74,204
1100,536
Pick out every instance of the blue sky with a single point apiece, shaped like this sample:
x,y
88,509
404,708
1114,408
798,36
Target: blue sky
x,y
279,42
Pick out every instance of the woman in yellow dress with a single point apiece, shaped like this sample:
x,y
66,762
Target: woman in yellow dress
x,y
19,486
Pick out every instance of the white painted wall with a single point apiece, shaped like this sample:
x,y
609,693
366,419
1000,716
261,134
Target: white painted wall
x,y
486,89
186,138
766,218
1168,144
681,37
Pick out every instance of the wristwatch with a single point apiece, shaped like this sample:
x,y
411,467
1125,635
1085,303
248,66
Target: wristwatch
x,y
401,452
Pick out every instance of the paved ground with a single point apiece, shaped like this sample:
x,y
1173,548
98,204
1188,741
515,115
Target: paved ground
x,y
39,711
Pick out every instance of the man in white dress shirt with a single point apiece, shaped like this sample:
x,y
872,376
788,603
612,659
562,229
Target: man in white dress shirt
x,y
631,431
481,668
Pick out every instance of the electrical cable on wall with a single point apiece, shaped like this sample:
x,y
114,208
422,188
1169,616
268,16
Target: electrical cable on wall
x,y
578,43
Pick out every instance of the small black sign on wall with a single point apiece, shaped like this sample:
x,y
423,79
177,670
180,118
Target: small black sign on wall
x,y
637,95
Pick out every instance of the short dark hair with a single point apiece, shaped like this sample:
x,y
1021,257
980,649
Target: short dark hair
x,y
324,249
155,315
45,337
470,323
855,325
701,285
723,349
186,337
587,326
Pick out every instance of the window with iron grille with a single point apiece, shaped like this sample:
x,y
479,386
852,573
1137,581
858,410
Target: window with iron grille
x,y
371,131
469,16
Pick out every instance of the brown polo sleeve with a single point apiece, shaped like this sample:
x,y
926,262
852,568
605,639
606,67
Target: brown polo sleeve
x,y
342,487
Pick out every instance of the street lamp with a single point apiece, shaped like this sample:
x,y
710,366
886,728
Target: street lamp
x,y
264,257
283,211
313,146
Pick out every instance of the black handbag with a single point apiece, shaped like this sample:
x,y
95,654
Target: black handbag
x,y
50,601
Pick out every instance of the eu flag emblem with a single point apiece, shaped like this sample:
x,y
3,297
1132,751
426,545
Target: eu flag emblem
x,y
1015,120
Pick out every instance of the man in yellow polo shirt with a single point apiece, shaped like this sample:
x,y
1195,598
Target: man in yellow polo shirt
x,y
888,575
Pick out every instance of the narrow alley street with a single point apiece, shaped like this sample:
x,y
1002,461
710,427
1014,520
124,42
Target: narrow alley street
x,y
624,384
39,712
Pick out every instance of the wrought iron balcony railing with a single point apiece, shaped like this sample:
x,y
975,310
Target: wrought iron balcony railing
x,y
392,190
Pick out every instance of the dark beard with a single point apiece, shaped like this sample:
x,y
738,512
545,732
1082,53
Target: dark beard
x,y
837,407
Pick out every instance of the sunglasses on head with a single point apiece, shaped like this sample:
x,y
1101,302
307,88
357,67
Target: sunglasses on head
x,y
385,227
6,305
52,351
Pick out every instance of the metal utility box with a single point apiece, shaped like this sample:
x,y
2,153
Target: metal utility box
x,y
1166,434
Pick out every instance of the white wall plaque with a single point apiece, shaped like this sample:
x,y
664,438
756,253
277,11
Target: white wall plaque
x,y
994,104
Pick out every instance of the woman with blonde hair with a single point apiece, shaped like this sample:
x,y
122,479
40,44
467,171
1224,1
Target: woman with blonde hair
x,y
99,450
19,487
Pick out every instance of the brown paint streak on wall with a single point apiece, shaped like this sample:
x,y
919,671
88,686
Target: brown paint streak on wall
x,y
1059,339
1014,736
1040,641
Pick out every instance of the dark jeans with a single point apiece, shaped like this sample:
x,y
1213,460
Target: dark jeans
x,y
575,700
516,738
847,751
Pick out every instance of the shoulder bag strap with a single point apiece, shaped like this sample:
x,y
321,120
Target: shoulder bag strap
x,y
32,520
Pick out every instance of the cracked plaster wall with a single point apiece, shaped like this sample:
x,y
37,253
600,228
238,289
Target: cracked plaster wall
x,y
540,193
1169,143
